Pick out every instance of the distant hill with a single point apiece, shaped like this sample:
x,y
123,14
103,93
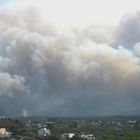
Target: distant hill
x,y
113,118
32,118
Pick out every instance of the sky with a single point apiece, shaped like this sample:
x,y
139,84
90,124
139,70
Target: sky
x,y
3,1
69,57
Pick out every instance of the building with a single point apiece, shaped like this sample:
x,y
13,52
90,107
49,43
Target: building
x,y
87,136
4,133
43,132
67,136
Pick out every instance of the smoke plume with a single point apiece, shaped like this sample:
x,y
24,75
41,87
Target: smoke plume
x,y
48,71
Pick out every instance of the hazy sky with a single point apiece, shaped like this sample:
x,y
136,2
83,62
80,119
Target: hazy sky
x,y
2,2
79,12
69,57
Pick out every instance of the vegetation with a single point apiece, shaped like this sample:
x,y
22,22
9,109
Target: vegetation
x,y
102,128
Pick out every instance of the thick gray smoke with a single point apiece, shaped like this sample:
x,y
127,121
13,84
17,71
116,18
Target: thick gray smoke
x,y
45,71
128,32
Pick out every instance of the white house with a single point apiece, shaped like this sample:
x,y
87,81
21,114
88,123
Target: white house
x,y
43,132
87,136
67,136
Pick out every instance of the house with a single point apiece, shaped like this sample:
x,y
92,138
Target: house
x,y
67,136
87,136
43,132
71,135
4,133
